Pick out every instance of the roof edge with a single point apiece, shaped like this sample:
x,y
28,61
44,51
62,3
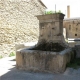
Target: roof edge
x,y
42,3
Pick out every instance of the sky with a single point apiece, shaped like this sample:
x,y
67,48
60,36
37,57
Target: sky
x,y
62,5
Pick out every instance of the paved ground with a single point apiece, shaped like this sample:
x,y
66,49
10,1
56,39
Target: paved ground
x,y
9,72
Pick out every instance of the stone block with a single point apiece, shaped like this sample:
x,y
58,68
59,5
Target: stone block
x,y
43,61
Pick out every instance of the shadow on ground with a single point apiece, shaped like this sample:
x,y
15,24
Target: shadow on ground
x,y
15,74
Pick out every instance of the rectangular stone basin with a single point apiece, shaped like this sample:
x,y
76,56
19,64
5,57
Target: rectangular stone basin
x,y
43,61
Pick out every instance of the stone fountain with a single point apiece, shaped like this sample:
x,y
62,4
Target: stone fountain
x,y
51,54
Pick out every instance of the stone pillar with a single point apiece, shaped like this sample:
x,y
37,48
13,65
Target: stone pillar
x,y
51,27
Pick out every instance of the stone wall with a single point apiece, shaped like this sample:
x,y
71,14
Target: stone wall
x,y
72,28
18,23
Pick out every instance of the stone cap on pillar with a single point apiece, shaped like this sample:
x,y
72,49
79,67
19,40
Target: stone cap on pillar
x,y
53,17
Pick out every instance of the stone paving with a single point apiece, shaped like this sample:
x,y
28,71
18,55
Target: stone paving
x,y
9,72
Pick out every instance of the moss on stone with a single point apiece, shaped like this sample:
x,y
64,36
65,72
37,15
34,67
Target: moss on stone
x,y
74,64
50,46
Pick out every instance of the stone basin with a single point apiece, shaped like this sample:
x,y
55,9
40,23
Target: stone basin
x,y
43,61
51,54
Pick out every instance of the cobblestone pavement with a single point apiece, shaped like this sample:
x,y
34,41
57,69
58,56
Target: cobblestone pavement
x,y
9,72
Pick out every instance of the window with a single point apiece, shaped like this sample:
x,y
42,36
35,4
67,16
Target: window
x,y
75,34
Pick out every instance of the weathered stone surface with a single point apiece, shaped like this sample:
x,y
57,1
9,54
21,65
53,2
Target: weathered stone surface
x,y
35,60
51,27
72,27
6,49
18,23
41,57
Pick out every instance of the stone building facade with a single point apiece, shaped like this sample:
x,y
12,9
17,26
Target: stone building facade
x,y
18,23
72,26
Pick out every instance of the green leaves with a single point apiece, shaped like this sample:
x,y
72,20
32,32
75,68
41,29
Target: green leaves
x,y
49,12
1,56
11,54
52,12
74,64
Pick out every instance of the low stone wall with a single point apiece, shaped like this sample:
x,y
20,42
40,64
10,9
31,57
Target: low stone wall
x,y
35,60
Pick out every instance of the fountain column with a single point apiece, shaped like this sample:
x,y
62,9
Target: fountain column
x,y
51,53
